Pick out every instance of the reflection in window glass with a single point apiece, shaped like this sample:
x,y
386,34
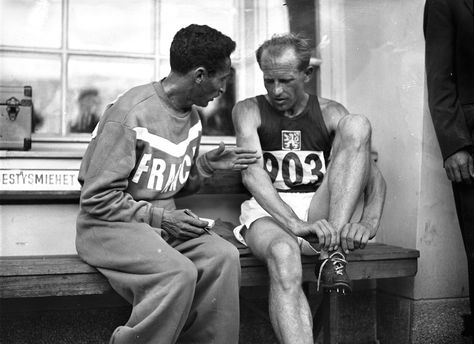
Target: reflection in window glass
x,y
79,54
176,14
42,73
95,82
111,25
43,18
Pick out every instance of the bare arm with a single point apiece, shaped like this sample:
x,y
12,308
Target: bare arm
x,y
246,119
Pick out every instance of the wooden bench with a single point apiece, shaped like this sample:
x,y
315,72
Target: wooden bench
x,y
46,276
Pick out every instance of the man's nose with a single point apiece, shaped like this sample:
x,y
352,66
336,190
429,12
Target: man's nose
x,y
277,89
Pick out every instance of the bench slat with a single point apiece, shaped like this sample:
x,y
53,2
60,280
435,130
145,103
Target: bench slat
x,y
54,285
94,283
66,264
43,276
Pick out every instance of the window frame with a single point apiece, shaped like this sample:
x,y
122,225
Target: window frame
x,y
242,59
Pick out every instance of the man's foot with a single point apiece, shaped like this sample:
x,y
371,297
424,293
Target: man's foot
x,y
332,274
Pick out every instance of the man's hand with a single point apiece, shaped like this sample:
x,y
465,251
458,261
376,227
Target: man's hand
x,y
460,167
355,235
328,236
181,225
235,158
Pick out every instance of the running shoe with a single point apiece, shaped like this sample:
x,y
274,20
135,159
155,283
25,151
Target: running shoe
x,y
332,275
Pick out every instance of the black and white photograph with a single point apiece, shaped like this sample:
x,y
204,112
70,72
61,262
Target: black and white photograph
x,y
236,171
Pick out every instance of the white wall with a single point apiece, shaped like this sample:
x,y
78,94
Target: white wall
x,y
379,46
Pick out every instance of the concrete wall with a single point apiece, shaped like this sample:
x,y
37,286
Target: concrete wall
x,y
373,63
380,45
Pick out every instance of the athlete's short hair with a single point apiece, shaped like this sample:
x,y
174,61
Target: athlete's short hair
x,y
279,42
200,46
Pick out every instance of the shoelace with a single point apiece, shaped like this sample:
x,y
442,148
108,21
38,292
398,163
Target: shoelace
x,y
339,265
338,262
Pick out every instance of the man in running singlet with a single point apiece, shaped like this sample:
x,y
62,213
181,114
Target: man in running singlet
x,y
314,168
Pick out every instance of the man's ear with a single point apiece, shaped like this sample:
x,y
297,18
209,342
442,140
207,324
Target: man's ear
x,y
199,74
308,72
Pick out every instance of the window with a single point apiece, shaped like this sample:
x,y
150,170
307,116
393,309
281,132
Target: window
x,y
79,55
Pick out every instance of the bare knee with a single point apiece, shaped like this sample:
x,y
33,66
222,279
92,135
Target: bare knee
x,y
355,129
284,264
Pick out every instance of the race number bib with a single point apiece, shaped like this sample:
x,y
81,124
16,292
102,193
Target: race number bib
x,y
288,169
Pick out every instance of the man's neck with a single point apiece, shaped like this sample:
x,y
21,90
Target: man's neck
x,y
298,108
175,88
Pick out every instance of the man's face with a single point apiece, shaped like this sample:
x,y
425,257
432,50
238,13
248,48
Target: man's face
x,y
212,86
283,80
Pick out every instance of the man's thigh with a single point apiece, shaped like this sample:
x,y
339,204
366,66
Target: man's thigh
x,y
134,248
263,233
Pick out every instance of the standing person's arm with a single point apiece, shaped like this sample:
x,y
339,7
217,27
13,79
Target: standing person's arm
x,y
246,119
448,117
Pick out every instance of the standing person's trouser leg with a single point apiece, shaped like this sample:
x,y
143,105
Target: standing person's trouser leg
x,y
193,293
464,198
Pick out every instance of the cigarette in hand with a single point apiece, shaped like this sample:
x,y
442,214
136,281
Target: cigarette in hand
x,y
188,212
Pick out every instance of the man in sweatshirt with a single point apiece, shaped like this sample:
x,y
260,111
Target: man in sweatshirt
x,y
182,282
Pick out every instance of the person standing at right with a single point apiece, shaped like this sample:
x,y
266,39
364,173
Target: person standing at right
x,y
449,33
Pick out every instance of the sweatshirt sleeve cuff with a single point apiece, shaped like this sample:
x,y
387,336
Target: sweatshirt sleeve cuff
x,y
156,217
204,167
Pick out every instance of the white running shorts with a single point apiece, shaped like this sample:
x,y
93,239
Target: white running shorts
x,y
298,201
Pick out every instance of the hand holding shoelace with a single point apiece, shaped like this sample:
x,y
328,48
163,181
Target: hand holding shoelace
x,y
355,235
327,235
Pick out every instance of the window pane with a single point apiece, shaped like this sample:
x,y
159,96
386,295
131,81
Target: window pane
x,y
176,14
30,23
42,73
95,82
112,25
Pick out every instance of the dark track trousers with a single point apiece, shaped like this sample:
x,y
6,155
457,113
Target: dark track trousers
x,y
464,199
181,292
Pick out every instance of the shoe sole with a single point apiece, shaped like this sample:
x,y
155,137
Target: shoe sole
x,y
340,288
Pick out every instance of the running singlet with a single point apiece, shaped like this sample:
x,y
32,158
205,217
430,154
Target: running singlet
x,y
295,150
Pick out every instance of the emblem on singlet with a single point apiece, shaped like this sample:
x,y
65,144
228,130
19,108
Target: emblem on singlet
x,y
290,140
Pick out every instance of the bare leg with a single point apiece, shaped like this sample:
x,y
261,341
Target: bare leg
x,y
347,173
290,313
337,198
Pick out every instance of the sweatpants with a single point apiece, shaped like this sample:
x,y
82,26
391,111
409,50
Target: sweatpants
x,y
181,291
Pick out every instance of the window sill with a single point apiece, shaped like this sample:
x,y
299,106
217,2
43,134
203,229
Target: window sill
x,y
73,147
48,172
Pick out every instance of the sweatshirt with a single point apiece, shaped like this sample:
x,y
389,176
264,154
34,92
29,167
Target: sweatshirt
x,y
142,150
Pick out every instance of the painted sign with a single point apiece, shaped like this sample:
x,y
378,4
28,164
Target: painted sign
x,y
39,180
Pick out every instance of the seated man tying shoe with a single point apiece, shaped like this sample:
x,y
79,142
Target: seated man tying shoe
x,y
314,168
